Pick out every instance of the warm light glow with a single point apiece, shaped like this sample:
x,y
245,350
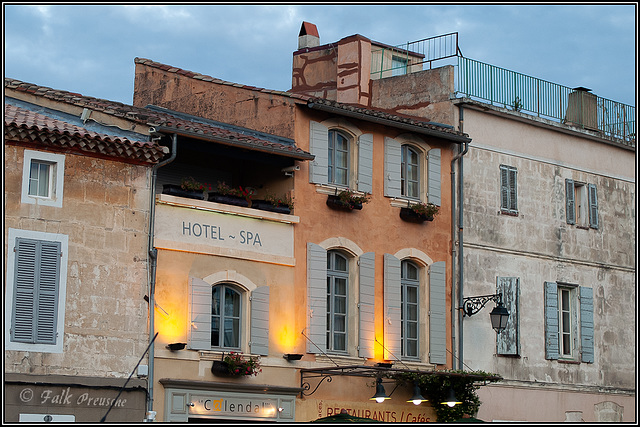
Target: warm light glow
x,y
380,399
287,340
417,402
451,404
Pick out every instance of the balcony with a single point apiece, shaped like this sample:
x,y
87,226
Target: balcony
x,y
575,107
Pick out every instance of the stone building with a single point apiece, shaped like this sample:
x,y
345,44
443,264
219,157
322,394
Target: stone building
x,y
76,208
344,289
545,219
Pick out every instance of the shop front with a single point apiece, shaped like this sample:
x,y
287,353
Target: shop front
x,y
60,398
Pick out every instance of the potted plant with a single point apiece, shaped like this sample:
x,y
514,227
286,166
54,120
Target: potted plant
x,y
419,212
235,365
347,200
188,187
232,196
274,203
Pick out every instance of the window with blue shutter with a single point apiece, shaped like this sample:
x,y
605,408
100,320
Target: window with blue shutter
x,y
392,168
551,320
316,298
259,340
36,288
392,307
586,324
508,190
508,340
437,313
593,206
581,204
366,305
319,147
365,163
434,180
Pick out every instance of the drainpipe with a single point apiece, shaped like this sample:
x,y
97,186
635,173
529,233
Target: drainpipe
x,y
153,257
457,158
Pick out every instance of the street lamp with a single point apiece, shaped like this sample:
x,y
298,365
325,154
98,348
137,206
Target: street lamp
x,y
499,315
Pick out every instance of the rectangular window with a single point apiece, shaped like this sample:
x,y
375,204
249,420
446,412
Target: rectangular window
x,y
581,204
398,65
508,190
42,178
569,322
35,291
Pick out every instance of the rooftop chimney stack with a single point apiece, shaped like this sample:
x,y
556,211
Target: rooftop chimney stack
x,y
308,36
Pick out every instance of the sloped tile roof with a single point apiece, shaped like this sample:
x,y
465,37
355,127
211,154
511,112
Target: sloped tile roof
x,y
165,121
28,126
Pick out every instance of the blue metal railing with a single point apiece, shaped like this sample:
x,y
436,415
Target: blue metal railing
x,y
577,107
508,89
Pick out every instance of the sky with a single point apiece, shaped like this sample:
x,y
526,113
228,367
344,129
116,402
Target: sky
x,y
90,49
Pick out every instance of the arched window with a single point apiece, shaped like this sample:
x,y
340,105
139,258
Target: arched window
x,y
337,290
410,173
410,285
338,171
226,310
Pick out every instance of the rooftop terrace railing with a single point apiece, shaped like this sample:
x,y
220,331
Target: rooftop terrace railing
x,y
498,86
576,107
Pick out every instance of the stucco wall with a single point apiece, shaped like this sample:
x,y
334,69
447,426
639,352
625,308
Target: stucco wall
x,y
105,215
537,246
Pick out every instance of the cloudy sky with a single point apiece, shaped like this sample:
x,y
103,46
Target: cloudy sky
x,y
90,49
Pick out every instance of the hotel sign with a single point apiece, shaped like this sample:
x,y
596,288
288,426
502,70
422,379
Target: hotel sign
x,y
220,233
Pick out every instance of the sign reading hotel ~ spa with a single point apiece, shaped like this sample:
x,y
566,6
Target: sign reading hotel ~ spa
x,y
220,233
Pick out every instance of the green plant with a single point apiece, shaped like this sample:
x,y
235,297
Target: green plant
x,y
426,209
189,183
279,201
517,104
238,365
352,198
436,387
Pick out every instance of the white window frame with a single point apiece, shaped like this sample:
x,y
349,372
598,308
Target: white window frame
x,y
242,317
405,283
15,234
572,328
56,178
331,276
405,149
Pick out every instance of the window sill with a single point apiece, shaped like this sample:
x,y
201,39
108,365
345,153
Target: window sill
x,y
569,361
507,213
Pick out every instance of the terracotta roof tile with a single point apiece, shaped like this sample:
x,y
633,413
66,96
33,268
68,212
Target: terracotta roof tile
x,y
28,126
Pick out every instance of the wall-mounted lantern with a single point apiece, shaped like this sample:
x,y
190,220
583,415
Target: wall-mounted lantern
x,y
499,315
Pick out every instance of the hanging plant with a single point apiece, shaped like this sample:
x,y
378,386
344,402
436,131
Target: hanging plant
x,y
436,388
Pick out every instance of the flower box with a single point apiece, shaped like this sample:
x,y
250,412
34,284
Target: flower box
x,y
335,202
236,365
268,206
409,215
177,190
228,199
220,368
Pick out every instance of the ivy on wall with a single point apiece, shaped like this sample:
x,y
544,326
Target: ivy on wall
x,y
436,388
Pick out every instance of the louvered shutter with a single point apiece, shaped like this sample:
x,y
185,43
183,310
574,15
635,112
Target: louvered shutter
x,y
316,298
199,331
437,313
392,167
35,313
392,307
508,340
366,306
365,163
586,324
551,325
513,190
571,201
504,188
319,146
434,180
259,342
593,206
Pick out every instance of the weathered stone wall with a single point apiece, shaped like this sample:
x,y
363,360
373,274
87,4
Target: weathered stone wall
x,y
538,245
105,216
227,103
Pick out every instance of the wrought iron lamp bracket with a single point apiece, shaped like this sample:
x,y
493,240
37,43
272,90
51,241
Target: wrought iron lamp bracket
x,y
306,386
472,305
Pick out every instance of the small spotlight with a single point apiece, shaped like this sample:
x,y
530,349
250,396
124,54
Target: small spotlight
x,y
176,346
384,364
292,356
